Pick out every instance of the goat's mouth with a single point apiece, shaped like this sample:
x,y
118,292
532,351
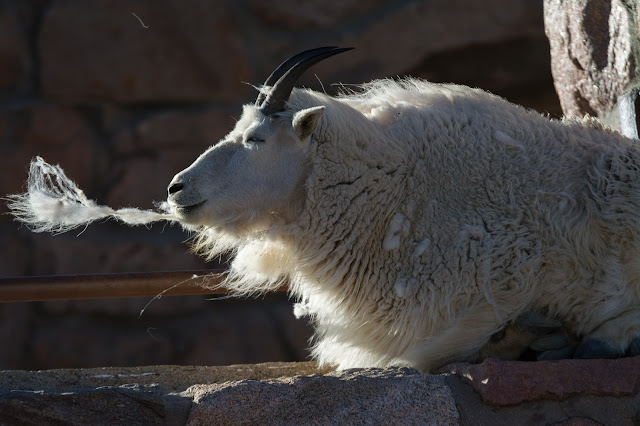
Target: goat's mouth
x,y
187,210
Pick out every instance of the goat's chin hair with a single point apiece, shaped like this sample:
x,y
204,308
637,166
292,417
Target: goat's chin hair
x,y
259,263
210,242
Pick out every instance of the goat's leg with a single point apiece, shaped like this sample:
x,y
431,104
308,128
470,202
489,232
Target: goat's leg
x,y
460,342
531,330
629,111
615,338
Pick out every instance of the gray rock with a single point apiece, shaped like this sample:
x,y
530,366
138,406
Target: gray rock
x,y
595,52
129,404
505,383
368,396
302,393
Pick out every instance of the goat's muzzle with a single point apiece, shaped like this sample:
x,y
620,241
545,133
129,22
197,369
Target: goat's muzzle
x,y
175,187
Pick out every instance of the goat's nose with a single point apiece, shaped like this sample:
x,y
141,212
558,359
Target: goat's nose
x,y
175,187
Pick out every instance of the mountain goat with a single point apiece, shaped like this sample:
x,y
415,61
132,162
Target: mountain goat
x,y
412,220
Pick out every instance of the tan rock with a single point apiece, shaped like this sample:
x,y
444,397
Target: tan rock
x,y
594,52
369,396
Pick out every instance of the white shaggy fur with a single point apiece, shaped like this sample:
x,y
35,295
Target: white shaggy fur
x,y
413,220
54,203
432,215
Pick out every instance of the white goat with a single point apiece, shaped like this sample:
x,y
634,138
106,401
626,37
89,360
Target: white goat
x,y
413,220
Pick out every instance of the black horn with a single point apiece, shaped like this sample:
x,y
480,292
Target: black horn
x,y
286,65
287,74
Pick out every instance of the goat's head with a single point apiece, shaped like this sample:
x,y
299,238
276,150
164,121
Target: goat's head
x,y
256,173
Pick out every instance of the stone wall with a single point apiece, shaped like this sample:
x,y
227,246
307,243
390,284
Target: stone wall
x,y
595,50
559,393
125,93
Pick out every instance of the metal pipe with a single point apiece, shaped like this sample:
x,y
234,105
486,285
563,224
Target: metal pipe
x,y
98,286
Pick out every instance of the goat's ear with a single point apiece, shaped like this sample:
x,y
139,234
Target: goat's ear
x,y
305,122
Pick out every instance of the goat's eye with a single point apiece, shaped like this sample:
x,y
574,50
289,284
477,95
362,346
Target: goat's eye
x,y
254,139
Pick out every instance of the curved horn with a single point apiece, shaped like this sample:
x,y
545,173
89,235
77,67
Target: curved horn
x,y
286,65
281,90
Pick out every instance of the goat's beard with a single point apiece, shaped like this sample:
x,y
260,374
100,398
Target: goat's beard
x,y
210,243
54,203
259,261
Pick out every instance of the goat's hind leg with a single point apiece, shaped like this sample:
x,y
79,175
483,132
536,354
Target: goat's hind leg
x,y
619,336
615,338
531,331
460,342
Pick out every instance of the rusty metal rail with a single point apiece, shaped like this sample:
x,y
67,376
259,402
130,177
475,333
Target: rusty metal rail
x,y
98,286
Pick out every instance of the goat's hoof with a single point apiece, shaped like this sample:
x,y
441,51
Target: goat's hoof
x,y
553,341
634,347
595,348
536,323
553,347
555,354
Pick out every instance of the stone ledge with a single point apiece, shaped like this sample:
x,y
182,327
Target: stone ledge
x,y
169,378
569,392
504,383
390,396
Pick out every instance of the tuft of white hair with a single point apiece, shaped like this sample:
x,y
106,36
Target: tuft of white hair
x,y
54,203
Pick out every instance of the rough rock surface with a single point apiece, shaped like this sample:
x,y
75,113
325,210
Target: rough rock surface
x,y
302,393
504,383
595,52
124,405
350,397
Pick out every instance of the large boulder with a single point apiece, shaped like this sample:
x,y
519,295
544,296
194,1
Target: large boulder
x,y
595,53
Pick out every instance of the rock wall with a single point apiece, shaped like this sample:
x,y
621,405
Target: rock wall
x,y
561,393
125,93
595,51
